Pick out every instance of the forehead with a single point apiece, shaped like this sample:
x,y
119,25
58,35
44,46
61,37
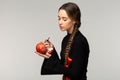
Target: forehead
x,y
62,13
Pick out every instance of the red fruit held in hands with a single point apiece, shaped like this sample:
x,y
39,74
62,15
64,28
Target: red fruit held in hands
x,y
40,47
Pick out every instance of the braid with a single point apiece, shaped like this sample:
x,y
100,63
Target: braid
x,y
69,44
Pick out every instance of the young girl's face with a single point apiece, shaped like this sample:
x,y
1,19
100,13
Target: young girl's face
x,y
65,22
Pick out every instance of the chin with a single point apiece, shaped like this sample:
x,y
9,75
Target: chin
x,y
62,29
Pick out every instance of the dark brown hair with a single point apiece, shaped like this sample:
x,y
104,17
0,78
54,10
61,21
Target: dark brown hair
x,y
73,12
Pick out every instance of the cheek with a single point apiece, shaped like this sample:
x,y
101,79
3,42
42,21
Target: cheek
x,y
66,26
69,25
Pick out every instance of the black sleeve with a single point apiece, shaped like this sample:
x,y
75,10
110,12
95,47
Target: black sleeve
x,y
51,65
80,52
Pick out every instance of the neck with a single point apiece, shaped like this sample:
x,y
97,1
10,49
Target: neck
x,y
70,31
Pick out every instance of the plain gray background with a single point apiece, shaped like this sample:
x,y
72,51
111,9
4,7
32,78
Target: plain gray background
x,y
23,23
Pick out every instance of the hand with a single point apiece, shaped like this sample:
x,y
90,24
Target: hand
x,y
49,46
47,55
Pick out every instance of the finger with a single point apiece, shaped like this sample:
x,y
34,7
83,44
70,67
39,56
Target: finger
x,y
48,55
45,56
42,55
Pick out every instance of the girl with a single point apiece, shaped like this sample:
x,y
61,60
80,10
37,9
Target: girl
x,y
74,49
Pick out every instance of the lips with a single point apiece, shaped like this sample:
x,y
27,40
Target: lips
x,y
61,27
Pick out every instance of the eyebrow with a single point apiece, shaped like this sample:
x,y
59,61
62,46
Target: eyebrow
x,y
62,17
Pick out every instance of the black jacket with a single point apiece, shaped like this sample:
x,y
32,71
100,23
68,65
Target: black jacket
x,y
79,54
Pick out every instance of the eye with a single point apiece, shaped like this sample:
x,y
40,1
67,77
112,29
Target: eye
x,y
64,19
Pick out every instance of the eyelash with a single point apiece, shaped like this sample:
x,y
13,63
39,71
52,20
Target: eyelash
x,y
62,19
65,19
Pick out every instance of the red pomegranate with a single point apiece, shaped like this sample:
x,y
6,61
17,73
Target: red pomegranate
x,y
40,47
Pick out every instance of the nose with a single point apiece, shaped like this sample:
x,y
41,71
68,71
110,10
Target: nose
x,y
60,22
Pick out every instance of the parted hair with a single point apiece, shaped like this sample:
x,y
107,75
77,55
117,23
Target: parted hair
x,y
73,11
